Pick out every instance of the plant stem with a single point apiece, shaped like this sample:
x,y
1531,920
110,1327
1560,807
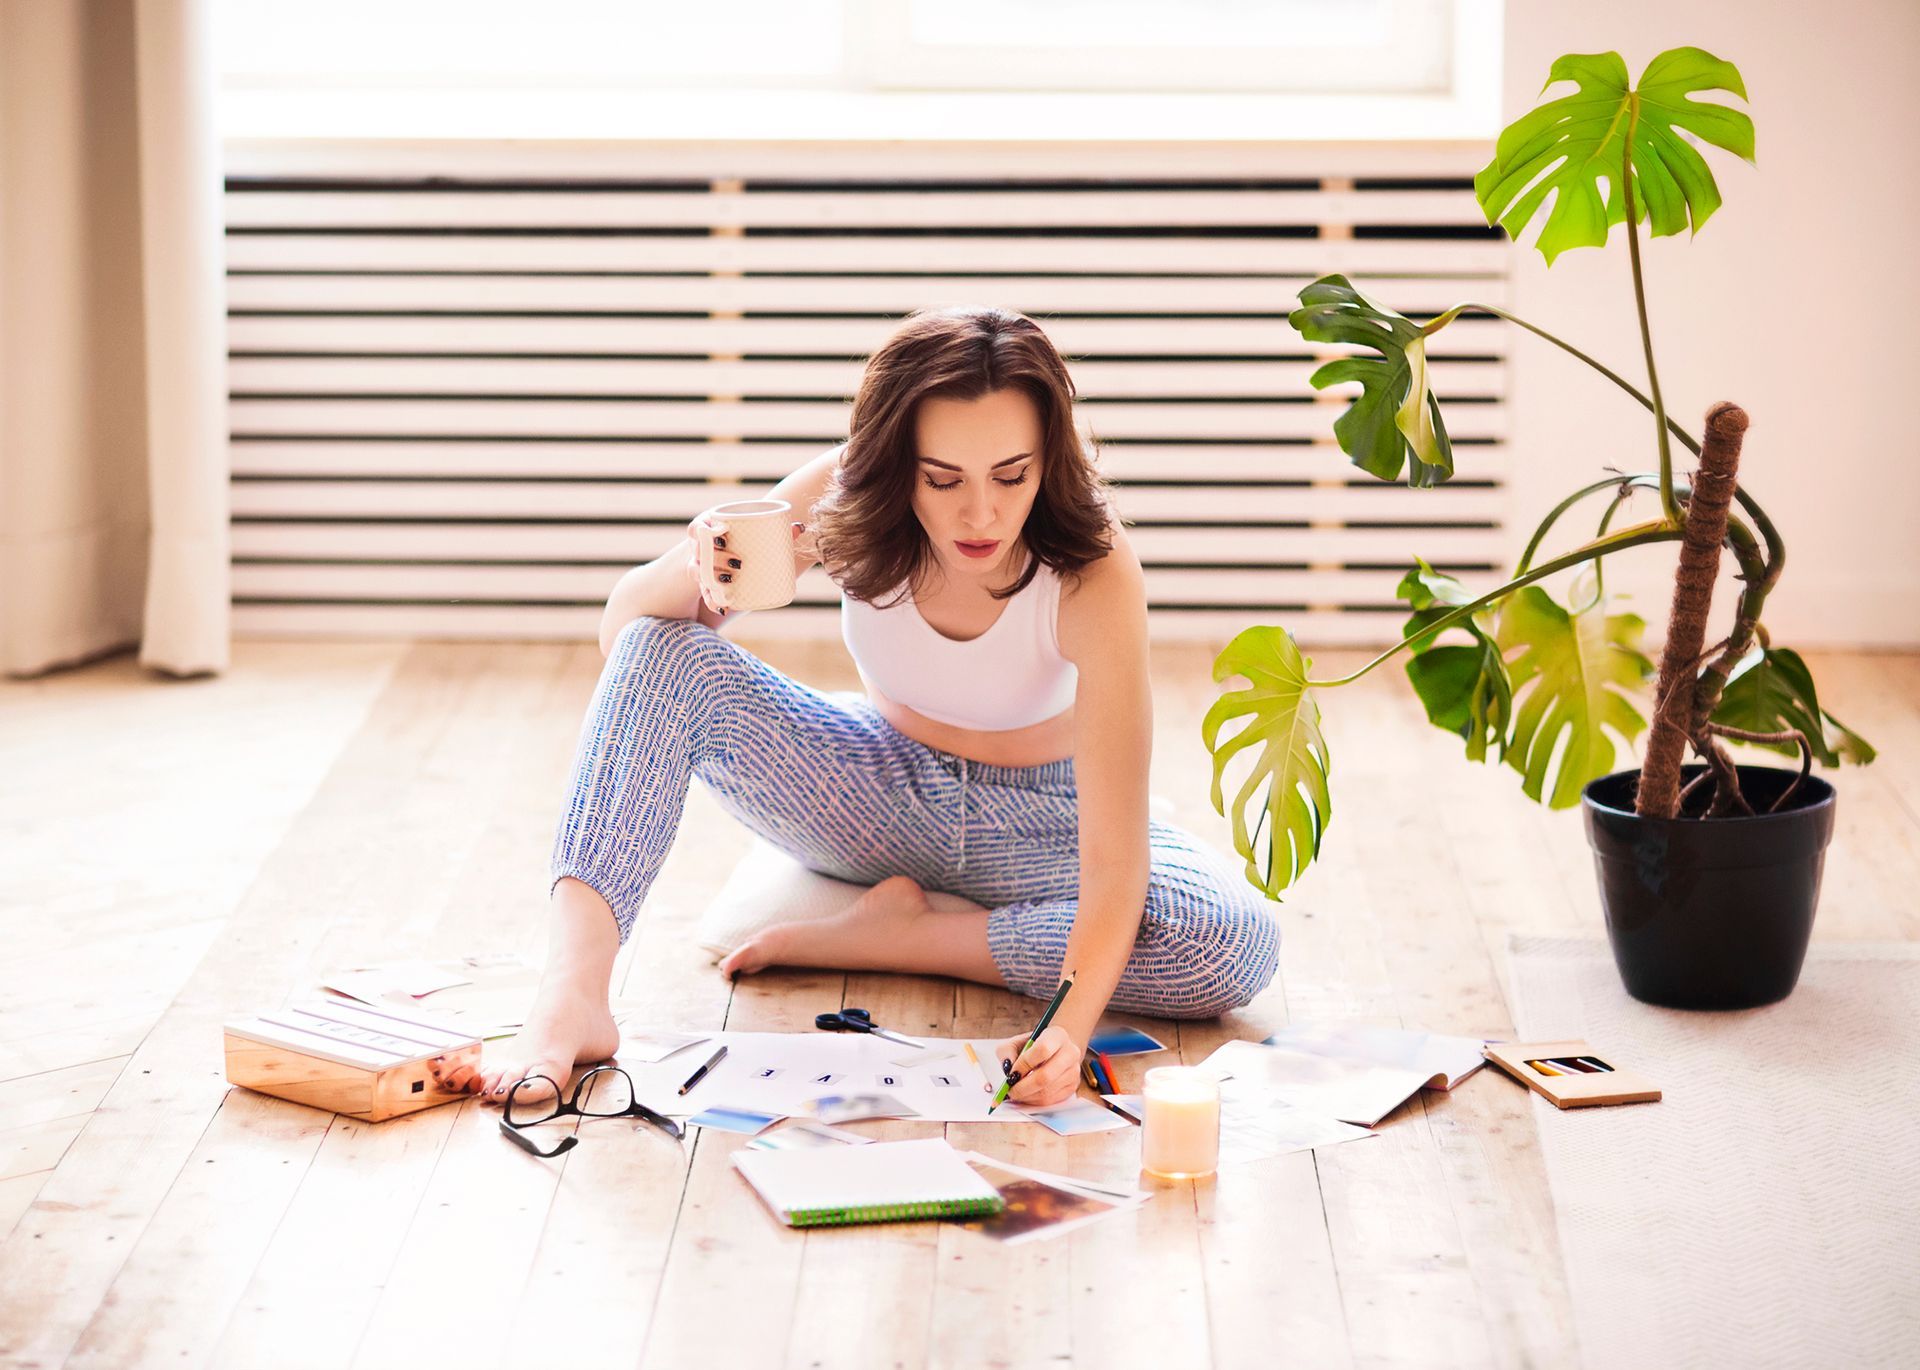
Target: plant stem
x,y
1667,500
1637,535
1691,443
1687,440
1553,515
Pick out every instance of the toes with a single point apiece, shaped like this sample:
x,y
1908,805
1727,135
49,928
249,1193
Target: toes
x,y
742,960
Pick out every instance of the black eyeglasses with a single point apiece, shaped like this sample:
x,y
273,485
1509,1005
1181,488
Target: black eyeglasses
x,y
603,1098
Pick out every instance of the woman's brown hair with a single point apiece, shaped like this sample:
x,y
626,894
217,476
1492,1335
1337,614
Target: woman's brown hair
x,y
864,527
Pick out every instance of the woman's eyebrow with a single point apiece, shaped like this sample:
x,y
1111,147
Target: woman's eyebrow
x,y
947,466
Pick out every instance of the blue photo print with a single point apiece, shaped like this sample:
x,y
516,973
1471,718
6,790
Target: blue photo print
x,y
1124,1041
736,1120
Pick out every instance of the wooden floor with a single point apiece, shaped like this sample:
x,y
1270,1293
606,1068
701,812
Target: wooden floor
x,y
175,853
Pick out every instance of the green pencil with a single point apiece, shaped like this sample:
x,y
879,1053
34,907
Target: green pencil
x,y
1000,1095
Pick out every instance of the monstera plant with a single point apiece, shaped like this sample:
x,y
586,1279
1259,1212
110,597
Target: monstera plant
x,y
1688,855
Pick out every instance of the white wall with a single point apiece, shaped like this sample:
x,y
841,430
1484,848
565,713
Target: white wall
x,y
1799,300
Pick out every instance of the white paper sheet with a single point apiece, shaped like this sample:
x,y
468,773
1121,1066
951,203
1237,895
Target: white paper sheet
x,y
780,1072
1255,1125
1444,1060
640,1046
393,981
1351,1090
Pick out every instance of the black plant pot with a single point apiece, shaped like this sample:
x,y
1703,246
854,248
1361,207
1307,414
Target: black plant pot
x,y
1710,913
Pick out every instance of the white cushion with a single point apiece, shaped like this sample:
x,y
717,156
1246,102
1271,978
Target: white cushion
x,y
769,887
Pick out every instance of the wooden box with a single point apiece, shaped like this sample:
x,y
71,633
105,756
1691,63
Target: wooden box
x,y
1571,1074
366,1061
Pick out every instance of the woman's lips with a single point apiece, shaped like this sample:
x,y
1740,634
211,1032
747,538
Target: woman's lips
x,y
977,549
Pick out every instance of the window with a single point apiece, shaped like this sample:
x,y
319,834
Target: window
x,y
1154,45
795,69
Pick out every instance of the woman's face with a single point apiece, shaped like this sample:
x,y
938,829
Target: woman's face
x,y
978,472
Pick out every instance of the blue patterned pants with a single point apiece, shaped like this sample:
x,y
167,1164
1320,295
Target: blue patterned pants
x,y
830,781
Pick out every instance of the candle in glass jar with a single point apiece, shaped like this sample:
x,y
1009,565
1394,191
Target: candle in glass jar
x,y
1180,1132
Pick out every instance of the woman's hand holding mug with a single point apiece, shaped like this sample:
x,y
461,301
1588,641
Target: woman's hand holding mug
x,y
743,554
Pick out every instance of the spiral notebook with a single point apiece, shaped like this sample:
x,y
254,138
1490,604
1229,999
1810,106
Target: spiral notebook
x,y
884,1182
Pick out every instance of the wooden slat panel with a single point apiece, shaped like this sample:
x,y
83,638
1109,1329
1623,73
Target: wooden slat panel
x,y
426,406
504,376
763,463
629,544
596,499
1033,295
454,252
1172,336
844,209
648,418
591,585
535,623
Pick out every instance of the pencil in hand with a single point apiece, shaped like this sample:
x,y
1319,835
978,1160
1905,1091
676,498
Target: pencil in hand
x,y
1013,1076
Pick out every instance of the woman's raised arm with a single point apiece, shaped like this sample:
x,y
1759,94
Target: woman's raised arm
x,y
668,586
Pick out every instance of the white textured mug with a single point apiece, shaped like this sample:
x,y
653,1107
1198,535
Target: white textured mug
x,y
759,535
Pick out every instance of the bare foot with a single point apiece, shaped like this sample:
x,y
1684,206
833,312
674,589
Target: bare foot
x,y
568,1025
861,938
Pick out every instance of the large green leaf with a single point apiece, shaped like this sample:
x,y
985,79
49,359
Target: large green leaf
x,y
1463,686
1770,691
1283,720
1396,420
1572,674
1571,144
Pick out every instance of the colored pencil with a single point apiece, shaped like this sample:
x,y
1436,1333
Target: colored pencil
x,y
986,1080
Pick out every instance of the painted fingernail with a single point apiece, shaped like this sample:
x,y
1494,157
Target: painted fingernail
x,y
719,542
733,562
723,577
1006,1065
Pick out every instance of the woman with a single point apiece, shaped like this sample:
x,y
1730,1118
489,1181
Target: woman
x,y
997,614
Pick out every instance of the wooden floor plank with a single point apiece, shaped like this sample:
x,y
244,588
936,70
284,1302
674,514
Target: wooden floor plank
x,y
72,1245
995,1305
347,1224
611,1225
846,1277
61,1093
149,1214
728,1253
1448,981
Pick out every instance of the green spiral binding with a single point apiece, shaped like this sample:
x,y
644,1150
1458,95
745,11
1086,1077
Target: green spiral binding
x,y
885,1213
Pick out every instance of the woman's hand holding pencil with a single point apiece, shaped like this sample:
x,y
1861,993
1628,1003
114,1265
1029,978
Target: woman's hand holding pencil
x,y
1048,1072
1041,1066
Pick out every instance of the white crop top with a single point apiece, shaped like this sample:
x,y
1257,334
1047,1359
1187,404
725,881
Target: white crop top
x,y
1011,676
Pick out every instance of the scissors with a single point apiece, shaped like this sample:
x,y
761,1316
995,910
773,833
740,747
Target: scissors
x,y
857,1020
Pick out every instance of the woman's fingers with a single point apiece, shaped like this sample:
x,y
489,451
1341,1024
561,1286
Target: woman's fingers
x,y
1046,1072
1050,1082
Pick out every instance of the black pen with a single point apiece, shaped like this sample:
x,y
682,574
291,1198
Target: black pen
x,y
701,1073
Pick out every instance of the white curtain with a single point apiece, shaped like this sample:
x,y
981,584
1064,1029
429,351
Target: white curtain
x,y
113,436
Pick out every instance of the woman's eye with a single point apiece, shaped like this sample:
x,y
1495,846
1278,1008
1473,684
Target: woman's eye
x,y
933,484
